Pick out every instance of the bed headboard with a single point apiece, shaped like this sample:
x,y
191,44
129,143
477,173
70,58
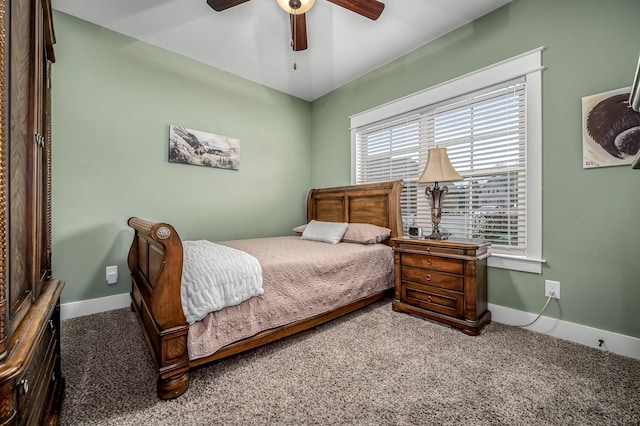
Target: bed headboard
x,y
376,203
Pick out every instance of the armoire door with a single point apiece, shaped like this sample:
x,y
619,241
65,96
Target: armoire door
x,y
24,161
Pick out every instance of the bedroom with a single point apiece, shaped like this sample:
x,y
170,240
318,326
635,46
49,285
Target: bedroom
x,y
116,90
114,98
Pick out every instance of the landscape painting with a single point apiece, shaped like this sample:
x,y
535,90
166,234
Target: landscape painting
x,y
203,149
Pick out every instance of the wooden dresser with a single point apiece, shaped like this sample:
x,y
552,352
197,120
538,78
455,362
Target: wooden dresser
x,y
443,280
31,384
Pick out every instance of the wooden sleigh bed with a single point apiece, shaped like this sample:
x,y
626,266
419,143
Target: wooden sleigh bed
x,y
156,264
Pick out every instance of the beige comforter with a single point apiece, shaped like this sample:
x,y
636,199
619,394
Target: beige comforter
x,y
301,279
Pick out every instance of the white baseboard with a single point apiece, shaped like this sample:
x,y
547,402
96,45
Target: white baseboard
x,y
94,306
613,342
589,336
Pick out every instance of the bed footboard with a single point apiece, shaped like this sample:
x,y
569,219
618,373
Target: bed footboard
x,y
155,262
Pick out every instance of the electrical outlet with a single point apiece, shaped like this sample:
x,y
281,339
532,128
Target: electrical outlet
x,y
552,288
112,274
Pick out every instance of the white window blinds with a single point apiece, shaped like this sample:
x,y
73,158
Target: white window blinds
x,y
485,137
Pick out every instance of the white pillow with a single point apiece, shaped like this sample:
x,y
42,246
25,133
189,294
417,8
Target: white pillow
x,y
360,233
327,232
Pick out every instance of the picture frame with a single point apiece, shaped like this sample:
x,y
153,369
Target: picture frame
x,y
200,148
611,129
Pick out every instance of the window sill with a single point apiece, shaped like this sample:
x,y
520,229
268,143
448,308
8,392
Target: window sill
x,y
515,263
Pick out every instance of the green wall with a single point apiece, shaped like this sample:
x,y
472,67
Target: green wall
x,y
113,100
591,231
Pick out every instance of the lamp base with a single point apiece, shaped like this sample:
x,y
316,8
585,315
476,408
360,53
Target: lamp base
x,y
437,235
437,195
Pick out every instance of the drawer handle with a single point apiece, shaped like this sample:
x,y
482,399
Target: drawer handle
x,y
24,386
428,277
429,262
429,299
51,325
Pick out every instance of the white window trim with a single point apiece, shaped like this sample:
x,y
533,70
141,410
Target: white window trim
x,y
528,65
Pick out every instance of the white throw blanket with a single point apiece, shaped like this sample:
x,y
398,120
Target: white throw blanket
x,y
216,276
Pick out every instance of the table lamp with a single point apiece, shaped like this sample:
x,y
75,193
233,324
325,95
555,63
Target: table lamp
x,y
438,169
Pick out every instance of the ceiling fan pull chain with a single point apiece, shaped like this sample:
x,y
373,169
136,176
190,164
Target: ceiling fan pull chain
x,y
293,40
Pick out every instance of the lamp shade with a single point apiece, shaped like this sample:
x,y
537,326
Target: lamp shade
x,y
439,168
289,6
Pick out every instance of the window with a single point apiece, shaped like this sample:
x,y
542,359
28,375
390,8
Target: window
x,y
489,121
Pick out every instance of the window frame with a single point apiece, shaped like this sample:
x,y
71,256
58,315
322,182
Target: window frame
x,y
528,66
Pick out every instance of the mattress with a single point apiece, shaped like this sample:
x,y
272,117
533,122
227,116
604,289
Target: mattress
x,y
301,279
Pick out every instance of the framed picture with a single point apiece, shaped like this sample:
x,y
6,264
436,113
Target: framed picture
x,y
203,149
610,129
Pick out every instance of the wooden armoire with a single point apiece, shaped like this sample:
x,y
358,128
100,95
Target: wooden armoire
x,y
31,384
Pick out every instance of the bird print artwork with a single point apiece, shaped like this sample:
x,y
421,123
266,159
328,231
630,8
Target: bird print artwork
x,y
203,149
611,134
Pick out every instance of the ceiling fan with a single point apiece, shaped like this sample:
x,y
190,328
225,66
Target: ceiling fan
x,y
297,8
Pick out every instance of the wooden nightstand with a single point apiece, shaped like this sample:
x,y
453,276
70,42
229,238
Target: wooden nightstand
x,y
443,280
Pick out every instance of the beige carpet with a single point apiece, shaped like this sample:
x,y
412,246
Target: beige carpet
x,y
372,367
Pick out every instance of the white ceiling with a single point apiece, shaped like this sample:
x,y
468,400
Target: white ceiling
x,y
252,40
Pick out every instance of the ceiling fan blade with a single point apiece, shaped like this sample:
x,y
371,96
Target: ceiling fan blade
x,y
220,5
371,9
299,31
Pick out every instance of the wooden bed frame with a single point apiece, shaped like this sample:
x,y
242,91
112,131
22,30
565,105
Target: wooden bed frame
x,y
155,261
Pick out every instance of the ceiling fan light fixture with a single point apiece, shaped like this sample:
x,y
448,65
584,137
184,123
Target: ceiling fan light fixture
x,y
296,7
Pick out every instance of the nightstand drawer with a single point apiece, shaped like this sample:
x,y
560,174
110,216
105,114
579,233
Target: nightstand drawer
x,y
453,266
433,299
433,278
